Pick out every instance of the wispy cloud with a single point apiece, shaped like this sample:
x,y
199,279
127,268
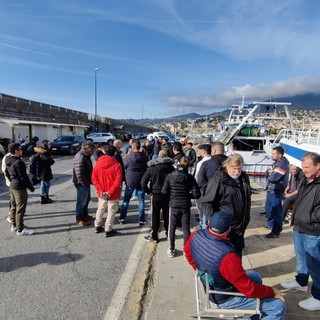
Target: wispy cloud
x,y
242,30
58,47
223,98
24,49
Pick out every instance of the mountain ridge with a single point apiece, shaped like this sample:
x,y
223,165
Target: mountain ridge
x,y
307,101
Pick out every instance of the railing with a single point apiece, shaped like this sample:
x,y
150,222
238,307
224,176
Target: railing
x,y
311,136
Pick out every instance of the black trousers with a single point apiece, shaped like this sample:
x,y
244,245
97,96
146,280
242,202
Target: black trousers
x,y
287,204
159,202
175,215
237,241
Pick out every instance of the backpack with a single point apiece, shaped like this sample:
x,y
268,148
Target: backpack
x,y
33,166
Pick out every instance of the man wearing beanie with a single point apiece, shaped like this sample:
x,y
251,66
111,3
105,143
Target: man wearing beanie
x,y
210,249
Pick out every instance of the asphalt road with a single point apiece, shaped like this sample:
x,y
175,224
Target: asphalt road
x,y
63,271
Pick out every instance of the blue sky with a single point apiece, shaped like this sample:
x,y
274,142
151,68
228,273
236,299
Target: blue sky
x,y
158,58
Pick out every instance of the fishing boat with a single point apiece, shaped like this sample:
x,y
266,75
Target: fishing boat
x,y
252,130
297,142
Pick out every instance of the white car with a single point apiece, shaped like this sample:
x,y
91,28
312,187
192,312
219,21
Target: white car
x,y
101,137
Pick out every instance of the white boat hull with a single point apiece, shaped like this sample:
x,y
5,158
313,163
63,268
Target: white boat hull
x,y
256,162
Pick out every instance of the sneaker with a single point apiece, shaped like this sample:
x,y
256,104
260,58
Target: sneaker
x,y
293,284
272,235
143,222
25,232
83,223
150,239
99,229
171,253
122,221
310,304
110,233
13,228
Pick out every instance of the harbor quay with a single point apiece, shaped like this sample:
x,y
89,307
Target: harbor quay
x,y
65,271
171,294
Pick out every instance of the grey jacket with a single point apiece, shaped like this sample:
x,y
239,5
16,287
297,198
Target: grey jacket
x,y
82,169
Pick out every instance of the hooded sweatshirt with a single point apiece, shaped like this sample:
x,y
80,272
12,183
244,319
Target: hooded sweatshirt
x,y
136,165
107,177
16,172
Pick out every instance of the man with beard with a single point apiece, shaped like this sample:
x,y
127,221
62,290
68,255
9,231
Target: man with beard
x,y
277,181
82,170
229,190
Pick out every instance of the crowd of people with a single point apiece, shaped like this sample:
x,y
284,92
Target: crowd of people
x,y
173,176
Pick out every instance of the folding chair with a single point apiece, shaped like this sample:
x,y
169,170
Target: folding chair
x,y
206,309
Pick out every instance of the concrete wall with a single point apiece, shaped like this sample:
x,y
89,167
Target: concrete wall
x,y
22,109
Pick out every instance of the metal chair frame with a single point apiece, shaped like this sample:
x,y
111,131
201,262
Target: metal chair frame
x,y
206,309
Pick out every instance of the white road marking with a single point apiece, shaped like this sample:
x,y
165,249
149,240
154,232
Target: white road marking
x,y
124,286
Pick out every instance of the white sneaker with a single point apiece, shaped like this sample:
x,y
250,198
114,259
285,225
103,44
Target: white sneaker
x,y
25,232
293,284
171,253
310,304
13,228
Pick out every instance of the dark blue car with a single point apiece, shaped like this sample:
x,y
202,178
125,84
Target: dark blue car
x,y
67,144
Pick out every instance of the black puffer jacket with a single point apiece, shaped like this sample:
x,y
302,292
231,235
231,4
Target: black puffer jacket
x,y
225,194
16,172
306,209
45,162
156,174
182,187
82,169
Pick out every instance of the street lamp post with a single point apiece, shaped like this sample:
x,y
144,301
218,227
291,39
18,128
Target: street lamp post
x,y
95,99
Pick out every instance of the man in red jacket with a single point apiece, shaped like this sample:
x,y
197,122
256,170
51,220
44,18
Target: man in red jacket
x,y
209,249
107,179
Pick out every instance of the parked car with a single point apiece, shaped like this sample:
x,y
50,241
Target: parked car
x,y
101,137
160,135
67,144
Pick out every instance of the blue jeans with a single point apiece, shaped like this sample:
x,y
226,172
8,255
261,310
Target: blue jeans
x,y
270,308
44,187
126,199
274,211
204,221
83,199
307,249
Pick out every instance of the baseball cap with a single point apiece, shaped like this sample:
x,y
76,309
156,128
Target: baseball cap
x,y
220,221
